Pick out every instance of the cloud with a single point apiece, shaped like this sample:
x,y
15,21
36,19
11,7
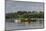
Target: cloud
x,y
13,6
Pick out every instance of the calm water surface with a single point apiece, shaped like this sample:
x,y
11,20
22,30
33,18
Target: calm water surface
x,y
15,26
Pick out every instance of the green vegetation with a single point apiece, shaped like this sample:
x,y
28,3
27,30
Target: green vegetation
x,y
25,14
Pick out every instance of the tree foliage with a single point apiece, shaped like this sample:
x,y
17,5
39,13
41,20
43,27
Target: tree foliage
x,y
25,14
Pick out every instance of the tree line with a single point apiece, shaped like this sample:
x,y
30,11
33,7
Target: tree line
x,y
25,14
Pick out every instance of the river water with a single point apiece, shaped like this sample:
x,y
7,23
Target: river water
x,y
14,26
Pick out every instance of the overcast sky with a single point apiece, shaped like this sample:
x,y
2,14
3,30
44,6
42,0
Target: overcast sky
x,y
14,6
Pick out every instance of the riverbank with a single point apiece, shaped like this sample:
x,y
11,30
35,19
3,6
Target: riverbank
x,y
20,20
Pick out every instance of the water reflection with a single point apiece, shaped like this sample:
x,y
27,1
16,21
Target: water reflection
x,y
12,25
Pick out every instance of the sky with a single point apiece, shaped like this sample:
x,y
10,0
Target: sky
x,y
14,6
